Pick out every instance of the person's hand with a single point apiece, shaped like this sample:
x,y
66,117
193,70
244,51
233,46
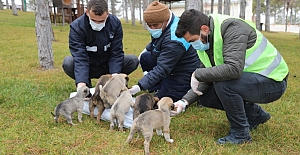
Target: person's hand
x,y
134,89
80,84
179,106
195,84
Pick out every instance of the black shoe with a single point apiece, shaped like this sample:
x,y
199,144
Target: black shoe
x,y
262,118
231,139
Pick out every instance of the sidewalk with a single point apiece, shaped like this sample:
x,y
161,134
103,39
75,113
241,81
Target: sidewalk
x,y
281,28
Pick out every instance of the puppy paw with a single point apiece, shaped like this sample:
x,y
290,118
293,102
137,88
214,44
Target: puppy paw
x,y
170,140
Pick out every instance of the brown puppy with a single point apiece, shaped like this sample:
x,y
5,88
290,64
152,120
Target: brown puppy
x,y
112,89
143,103
153,119
96,100
119,109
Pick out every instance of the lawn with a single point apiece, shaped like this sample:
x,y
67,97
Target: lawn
x,y
28,94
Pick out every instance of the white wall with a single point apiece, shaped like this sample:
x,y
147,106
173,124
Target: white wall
x,y
178,7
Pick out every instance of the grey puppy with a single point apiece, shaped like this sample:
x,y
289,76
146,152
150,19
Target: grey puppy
x,y
96,100
153,119
112,89
120,108
69,106
143,103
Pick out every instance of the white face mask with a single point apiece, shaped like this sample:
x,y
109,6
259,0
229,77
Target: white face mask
x,y
95,26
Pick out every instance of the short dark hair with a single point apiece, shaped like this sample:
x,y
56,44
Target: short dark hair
x,y
191,21
97,6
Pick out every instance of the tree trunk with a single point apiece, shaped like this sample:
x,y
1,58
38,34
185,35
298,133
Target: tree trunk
x,y
227,7
132,6
43,34
212,6
1,5
113,7
257,21
7,5
291,12
243,9
140,12
14,8
200,5
267,22
283,12
126,11
287,9
145,5
220,6
195,4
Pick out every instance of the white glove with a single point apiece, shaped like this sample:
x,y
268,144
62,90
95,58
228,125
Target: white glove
x,y
195,84
134,89
80,84
180,105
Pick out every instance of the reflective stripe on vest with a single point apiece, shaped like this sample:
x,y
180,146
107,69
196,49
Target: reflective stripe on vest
x,y
263,58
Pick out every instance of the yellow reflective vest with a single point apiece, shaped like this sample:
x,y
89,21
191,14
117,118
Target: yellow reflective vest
x,y
263,58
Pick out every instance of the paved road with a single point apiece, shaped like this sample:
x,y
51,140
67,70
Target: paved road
x,y
281,28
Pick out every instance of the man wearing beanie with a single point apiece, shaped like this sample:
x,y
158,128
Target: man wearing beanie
x,y
167,61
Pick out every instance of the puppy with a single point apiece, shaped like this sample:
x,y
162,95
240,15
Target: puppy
x,y
96,100
119,108
143,103
153,119
112,89
69,106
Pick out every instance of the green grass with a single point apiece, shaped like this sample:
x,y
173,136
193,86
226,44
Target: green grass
x,y
28,94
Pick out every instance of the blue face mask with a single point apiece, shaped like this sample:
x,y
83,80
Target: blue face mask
x,y
198,45
155,33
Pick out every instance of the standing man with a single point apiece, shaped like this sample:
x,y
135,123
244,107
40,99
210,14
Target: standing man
x,y
240,68
95,42
168,61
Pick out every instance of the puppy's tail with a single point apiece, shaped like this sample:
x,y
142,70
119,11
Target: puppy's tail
x,y
52,114
102,93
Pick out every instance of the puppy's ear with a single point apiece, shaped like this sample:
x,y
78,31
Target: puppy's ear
x,y
127,78
156,99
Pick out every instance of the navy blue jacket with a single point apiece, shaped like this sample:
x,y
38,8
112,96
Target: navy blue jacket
x,y
176,58
95,49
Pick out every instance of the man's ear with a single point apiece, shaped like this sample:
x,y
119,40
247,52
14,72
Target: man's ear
x,y
87,12
204,28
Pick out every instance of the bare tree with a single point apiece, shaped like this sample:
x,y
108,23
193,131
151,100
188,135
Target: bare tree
x,y
220,6
145,5
267,13
7,5
243,9
275,8
113,7
14,8
201,5
291,12
227,7
257,19
1,5
287,9
194,4
126,11
43,34
211,6
140,11
132,9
